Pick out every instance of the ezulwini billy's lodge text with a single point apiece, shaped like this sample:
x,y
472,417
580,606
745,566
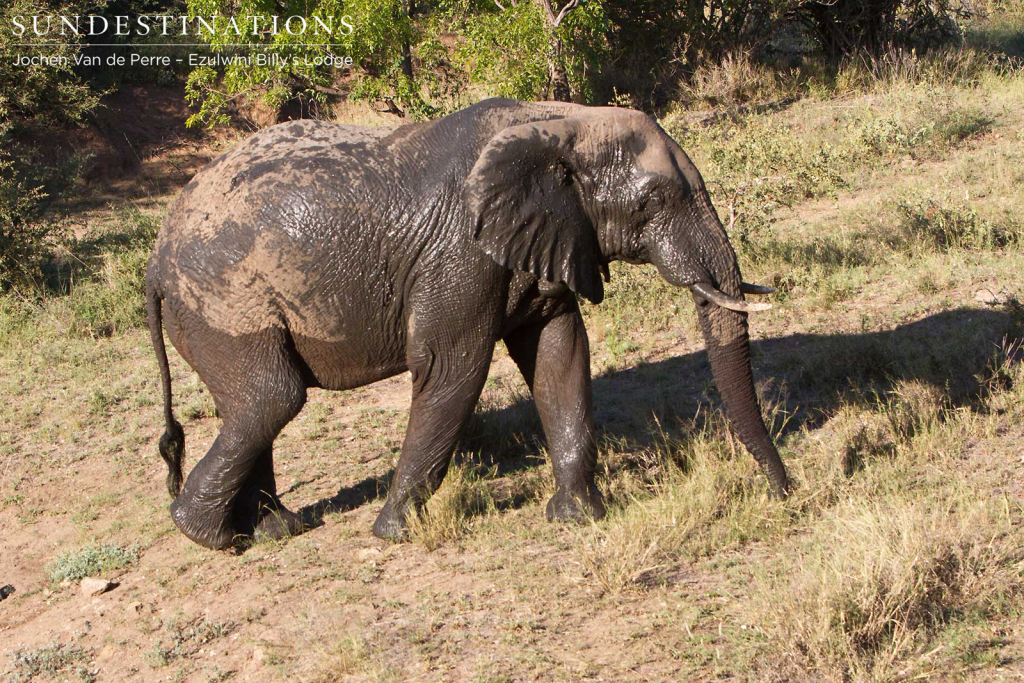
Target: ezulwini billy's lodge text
x,y
136,59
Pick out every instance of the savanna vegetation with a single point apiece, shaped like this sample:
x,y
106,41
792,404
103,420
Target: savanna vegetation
x,y
868,162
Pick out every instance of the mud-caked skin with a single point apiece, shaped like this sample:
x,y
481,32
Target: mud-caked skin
x,y
322,255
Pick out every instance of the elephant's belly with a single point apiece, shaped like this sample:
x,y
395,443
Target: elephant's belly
x,y
340,365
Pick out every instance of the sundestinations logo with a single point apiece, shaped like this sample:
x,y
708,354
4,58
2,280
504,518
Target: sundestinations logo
x,y
178,25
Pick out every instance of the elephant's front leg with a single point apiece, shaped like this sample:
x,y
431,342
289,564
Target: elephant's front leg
x,y
447,378
554,357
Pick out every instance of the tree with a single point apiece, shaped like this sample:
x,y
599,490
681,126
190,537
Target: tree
x,y
845,27
558,82
531,48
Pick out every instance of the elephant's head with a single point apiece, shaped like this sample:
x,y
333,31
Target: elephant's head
x,y
563,196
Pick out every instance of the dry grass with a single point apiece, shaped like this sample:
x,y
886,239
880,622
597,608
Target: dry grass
x,y
450,512
734,80
861,596
690,497
348,655
915,546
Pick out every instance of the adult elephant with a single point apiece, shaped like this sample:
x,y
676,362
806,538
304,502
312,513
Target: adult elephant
x,y
321,255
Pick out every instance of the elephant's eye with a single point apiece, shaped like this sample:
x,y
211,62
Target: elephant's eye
x,y
655,202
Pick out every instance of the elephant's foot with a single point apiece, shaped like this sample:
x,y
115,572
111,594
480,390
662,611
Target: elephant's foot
x,y
278,523
208,528
392,523
578,505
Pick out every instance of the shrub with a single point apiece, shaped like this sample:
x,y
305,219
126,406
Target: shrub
x,y
24,233
849,27
53,661
34,100
72,565
945,225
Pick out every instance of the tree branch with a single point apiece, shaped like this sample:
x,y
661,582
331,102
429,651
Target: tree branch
x,y
573,4
546,5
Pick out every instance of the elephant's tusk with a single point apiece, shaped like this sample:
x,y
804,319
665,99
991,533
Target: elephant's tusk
x,y
748,288
725,301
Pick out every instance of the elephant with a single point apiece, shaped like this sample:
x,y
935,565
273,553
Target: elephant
x,y
321,255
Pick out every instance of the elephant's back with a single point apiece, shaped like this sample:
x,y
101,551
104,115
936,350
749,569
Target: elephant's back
x,y
281,164
267,233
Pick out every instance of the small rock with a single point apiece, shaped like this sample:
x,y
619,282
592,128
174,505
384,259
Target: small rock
x,y
134,608
6,591
368,554
258,655
92,587
986,296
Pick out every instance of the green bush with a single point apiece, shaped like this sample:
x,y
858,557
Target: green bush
x,y
947,225
24,233
72,565
381,47
34,101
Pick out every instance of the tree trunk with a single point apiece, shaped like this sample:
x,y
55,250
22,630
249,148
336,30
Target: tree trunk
x,y
559,89
406,48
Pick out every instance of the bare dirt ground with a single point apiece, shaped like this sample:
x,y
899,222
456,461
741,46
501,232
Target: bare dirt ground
x,y
512,599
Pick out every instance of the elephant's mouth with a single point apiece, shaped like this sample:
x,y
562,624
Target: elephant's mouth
x,y
710,293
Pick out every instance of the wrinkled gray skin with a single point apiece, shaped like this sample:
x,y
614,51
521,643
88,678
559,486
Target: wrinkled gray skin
x,y
321,255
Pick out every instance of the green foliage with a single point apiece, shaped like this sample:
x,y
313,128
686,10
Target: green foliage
x,y
417,62
72,565
583,34
24,234
507,50
50,661
376,34
510,51
41,95
34,100
945,225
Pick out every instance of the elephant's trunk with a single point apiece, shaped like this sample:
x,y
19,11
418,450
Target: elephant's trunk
x,y
728,344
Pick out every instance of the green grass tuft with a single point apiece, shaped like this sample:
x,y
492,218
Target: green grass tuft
x,y
91,560
56,661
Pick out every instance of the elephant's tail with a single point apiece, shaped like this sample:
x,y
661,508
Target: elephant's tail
x,y
172,443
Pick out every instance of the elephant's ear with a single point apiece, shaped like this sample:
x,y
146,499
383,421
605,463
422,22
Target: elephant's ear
x,y
526,211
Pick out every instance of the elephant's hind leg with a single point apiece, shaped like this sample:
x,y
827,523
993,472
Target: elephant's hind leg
x,y
258,511
231,492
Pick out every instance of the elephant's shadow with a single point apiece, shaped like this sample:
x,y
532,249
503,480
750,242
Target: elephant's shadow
x,y
809,376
